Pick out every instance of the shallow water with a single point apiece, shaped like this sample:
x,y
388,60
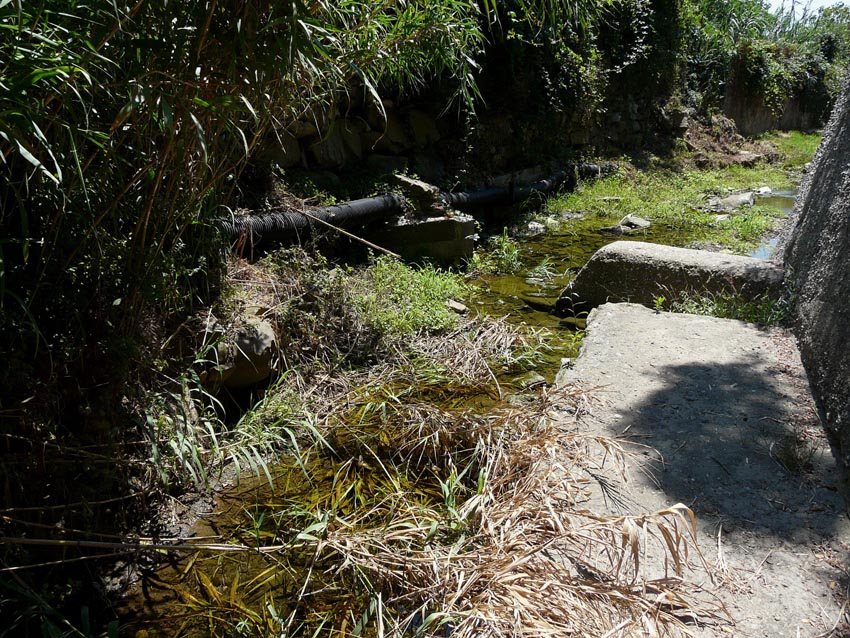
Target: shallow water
x,y
526,297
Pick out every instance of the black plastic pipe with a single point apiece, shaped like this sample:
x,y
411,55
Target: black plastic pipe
x,y
287,225
276,226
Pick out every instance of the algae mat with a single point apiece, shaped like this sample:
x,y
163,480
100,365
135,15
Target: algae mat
x,y
719,416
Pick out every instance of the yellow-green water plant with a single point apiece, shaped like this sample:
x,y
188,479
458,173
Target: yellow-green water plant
x,y
424,520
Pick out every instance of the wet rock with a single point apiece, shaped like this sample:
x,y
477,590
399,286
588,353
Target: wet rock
x,y
732,202
633,222
532,229
531,380
245,358
629,225
639,272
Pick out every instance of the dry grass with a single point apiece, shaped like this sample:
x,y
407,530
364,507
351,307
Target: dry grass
x,y
408,519
414,501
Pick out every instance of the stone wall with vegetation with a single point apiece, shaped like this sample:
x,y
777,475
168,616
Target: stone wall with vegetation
x,y
818,259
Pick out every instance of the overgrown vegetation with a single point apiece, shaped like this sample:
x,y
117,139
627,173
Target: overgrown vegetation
x,y
400,516
774,56
682,198
126,131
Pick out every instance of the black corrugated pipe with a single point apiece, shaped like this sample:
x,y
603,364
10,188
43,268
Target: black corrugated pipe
x,y
287,225
505,195
275,226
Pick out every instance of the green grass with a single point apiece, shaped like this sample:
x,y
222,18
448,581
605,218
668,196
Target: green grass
x,y
401,300
763,310
795,147
676,199
501,256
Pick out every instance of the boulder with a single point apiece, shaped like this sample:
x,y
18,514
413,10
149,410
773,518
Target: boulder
x,y
639,272
818,260
732,202
244,358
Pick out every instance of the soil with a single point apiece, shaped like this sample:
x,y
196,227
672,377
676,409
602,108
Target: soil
x,y
717,144
719,416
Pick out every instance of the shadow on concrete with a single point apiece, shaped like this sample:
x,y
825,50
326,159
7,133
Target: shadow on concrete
x,y
734,446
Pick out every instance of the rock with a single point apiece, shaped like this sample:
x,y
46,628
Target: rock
x,y
617,230
424,128
732,202
428,167
531,380
386,164
639,272
456,306
629,225
633,222
392,139
747,159
763,191
426,198
245,358
331,151
532,229
818,257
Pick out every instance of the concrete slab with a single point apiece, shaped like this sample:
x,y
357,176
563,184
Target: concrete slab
x,y
719,416
637,272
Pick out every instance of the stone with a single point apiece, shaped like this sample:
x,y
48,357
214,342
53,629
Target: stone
x,y
456,306
423,127
629,225
386,164
426,198
428,167
818,260
531,380
331,151
763,191
532,229
634,222
245,358
638,272
392,139
732,202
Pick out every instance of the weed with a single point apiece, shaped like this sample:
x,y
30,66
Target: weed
x,y
763,310
416,514
400,300
677,200
502,256
797,148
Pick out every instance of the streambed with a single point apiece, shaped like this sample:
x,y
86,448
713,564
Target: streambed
x,y
217,586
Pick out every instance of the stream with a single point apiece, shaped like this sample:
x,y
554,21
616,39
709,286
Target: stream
x,y
549,262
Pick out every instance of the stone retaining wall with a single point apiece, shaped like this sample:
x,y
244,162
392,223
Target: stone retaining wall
x,y
817,257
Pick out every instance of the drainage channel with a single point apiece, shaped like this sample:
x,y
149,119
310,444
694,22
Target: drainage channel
x,y
549,261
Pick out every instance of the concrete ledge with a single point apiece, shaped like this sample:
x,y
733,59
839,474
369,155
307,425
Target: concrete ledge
x,y
638,271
